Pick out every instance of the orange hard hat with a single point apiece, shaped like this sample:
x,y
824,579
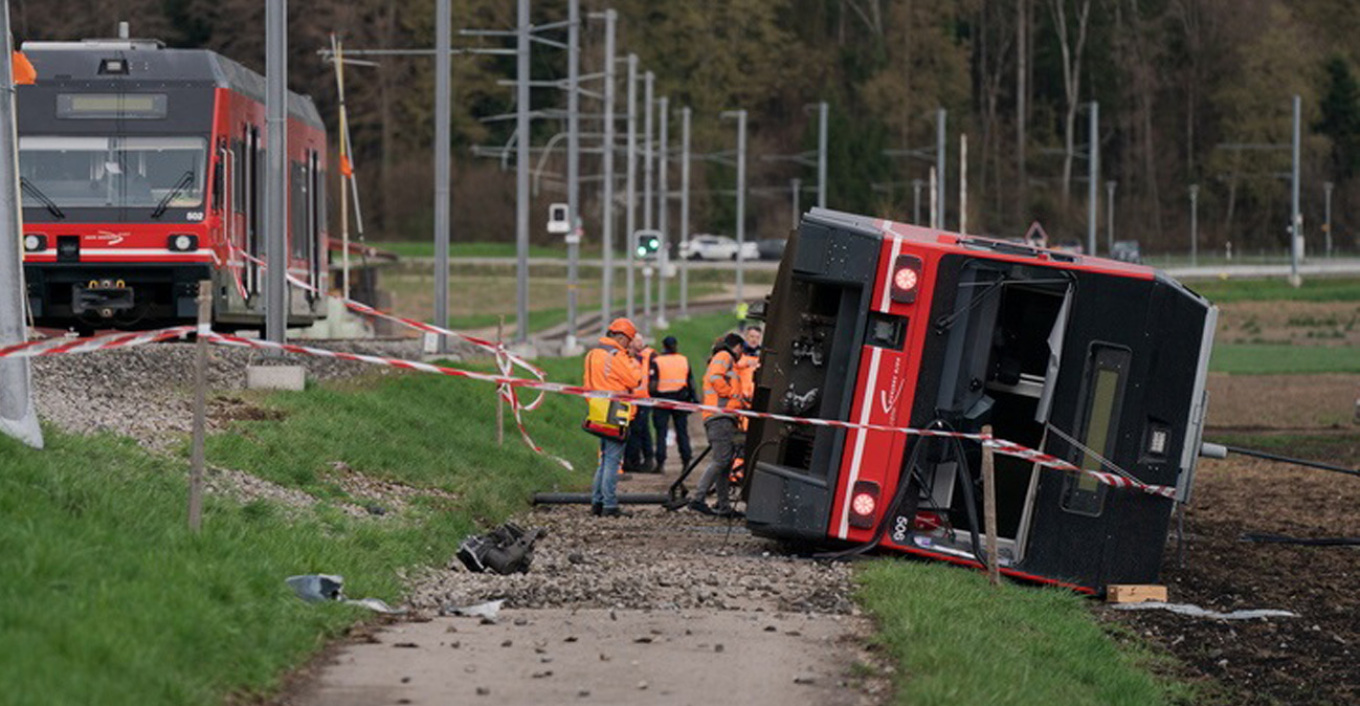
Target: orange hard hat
x,y
623,326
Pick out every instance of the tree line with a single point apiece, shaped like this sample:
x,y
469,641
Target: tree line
x,y
1191,92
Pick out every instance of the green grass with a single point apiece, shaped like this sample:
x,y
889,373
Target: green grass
x,y
1316,289
106,598
1283,359
541,319
958,640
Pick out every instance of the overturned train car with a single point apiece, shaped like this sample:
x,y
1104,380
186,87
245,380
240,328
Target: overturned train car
x,y
1091,360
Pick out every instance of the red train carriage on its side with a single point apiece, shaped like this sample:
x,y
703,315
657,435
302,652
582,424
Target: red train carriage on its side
x,y
142,172
1087,359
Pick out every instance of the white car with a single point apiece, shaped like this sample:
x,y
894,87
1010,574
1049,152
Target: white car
x,y
716,247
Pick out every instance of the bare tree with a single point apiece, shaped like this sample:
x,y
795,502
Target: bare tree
x,y
1072,50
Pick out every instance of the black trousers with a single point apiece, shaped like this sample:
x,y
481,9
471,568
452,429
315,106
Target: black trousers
x,y
660,419
639,450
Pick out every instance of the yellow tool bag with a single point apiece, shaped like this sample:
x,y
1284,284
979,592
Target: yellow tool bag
x,y
608,419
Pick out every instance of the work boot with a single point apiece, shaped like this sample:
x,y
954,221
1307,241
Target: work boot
x,y
616,512
597,509
700,507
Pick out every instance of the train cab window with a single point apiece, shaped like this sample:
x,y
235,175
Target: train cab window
x,y
1103,392
142,172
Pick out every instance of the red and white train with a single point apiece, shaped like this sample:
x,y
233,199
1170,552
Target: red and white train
x,y
1100,363
142,173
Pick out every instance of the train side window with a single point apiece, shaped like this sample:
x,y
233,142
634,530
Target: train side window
x,y
1102,395
219,176
238,177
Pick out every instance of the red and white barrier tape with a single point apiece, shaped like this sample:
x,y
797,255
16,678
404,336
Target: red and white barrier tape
x,y
506,381
72,346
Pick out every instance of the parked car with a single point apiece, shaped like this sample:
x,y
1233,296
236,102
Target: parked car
x,y
771,248
1127,251
716,247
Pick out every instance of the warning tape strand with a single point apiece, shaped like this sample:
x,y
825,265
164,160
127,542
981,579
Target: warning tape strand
x,y
508,382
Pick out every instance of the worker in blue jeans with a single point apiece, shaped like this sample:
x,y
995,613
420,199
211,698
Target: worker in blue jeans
x,y
610,367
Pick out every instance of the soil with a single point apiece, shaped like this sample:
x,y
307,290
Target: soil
x,y
1309,659
1247,403
1299,322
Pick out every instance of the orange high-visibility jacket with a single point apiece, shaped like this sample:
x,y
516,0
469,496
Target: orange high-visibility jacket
x,y
609,368
645,368
672,373
722,385
747,367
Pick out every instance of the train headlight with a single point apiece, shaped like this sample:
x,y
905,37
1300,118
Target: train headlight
x,y
906,278
863,504
183,242
35,243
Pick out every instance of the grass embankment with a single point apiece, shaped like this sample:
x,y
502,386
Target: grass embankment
x,y
541,319
958,640
1316,289
106,598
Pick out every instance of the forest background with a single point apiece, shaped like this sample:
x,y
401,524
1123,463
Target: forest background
x,y
1179,83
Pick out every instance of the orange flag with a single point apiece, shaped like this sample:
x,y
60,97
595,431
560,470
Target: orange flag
x,y
346,168
24,73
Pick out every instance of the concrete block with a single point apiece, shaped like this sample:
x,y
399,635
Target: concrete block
x,y
276,377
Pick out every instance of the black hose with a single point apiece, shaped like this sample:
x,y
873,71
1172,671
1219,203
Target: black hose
x,y
1295,461
904,483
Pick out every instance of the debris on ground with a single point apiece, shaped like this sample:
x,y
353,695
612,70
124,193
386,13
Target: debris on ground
x,y
488,610
1198,612
508,549
318,588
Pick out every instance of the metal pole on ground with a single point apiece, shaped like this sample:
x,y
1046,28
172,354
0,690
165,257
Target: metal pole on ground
x,y
569,345
684,211
276,184
17,416
338,58
916,185
1194,225
1327,216
795,185
822,109
1109,215
630,217
941,121
989,507
934,199
646,297
963,183
607,227
740,116
1295,217
443,112
522,140
649,84
1092,179
662,210
200,407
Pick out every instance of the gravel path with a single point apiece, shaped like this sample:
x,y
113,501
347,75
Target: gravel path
x,y
664,608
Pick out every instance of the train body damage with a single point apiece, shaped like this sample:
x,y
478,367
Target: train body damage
x,y
1097,362
143,172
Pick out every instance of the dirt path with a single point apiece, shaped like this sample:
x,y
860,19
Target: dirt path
x,y
667,608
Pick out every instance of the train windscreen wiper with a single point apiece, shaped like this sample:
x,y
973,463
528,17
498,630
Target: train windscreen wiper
x,y
183,184
38,194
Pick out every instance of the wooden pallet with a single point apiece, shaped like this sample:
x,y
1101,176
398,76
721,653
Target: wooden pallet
x,y
1134,593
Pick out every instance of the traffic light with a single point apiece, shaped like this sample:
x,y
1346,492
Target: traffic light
x,y
647,243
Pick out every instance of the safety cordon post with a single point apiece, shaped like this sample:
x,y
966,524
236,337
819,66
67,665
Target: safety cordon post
x,y
989,508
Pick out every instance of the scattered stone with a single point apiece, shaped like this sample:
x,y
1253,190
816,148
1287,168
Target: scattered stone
x,y
507,643
718,647
406,680
483,691
521,622
642,685
570,638
645,639
408,645
542,675
583,693
805,679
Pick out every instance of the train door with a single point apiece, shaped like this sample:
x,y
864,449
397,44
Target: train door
x,y
315,208
254,190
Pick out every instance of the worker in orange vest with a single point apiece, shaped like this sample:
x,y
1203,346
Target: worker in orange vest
x,y
610,367
671,379
722,389
640,454
748,362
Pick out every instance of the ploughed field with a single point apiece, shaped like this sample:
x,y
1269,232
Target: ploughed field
x,y
1314,658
